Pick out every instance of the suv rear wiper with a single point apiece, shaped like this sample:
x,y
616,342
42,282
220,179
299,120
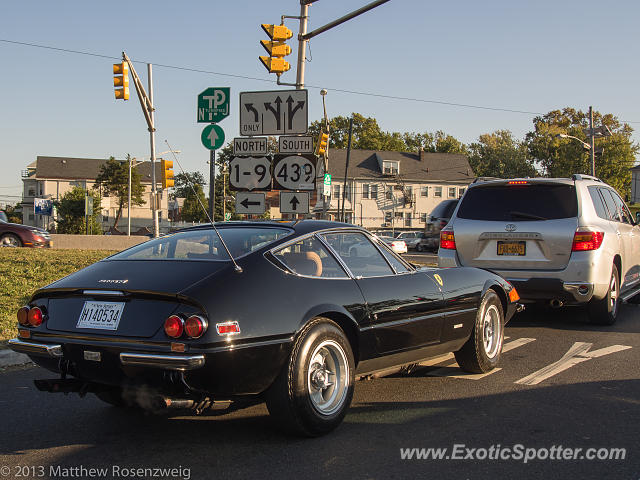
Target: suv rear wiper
x,y
526,215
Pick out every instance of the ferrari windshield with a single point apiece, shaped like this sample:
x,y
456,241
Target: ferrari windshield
x,y
204,244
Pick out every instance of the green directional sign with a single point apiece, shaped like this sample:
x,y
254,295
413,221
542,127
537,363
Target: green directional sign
x,y
212,137
213,104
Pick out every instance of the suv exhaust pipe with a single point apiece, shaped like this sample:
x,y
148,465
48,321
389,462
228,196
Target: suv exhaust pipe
x,y
555,303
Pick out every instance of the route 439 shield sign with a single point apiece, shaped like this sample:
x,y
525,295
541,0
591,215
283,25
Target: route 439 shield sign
x,y
294,172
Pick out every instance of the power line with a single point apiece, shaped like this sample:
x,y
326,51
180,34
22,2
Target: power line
x,y
246,77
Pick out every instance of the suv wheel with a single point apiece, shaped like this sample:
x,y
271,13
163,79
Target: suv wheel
x,y
605,311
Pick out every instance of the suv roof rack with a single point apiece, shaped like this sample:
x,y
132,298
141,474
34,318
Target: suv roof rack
x,y
580,176
485,179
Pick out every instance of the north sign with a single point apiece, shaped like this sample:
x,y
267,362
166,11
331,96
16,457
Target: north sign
x,y
213,104
294,172
212,137
295,144
250,173
294,202
250,203
278,112
250,146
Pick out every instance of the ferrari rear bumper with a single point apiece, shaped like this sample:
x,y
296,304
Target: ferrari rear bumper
x,y
32,348
167,362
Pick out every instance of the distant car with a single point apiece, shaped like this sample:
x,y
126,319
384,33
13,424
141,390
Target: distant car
x,y
560,241
410,238
16,235
398,246
437,220
289,313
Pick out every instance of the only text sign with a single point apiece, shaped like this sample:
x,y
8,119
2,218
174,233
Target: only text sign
x,y
276,112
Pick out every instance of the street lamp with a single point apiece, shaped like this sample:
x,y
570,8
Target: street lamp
x,y
132,164
584,144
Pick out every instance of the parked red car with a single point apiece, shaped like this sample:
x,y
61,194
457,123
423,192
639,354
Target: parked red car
x,y
16,235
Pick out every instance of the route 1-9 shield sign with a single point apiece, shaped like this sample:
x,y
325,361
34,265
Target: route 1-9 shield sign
x,y
250,173
294,172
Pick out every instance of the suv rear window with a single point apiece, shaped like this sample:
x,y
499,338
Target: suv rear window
x,y
541,201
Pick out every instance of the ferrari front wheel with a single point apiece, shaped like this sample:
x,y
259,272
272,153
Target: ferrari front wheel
x,y
313,392
481,353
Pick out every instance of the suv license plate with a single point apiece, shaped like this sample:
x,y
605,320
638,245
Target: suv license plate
x,y
100,315
512,249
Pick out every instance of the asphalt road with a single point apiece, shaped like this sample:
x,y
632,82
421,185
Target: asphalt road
x,y
589,400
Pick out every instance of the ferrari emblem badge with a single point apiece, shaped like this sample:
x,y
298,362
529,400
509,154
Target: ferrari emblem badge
x,y
438,279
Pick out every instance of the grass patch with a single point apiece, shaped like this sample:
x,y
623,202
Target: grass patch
x,y
24,270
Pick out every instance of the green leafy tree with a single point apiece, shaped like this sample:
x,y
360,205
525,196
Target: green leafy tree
x,y
559,157
498,154
113,180
182,183
71,218
437,142
192,210
366,134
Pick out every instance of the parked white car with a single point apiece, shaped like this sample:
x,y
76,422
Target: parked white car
x,y
398,246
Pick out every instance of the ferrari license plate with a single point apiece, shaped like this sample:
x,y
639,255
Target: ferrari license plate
x,y
512,249
100,315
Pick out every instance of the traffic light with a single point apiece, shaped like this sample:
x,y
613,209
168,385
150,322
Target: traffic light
x,y
121,80
167,173
321,146
277,49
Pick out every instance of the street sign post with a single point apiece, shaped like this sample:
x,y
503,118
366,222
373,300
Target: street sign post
x,y
213,104
276,112
250,146
212,137
250,173
250,203
294,202
294,172
295,144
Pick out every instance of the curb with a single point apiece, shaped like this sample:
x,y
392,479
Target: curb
x,y
9,358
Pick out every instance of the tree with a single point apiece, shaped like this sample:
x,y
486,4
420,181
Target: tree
x,y
183,181
192,210
366,134
498,154
13,215
71,208
438,142
558,157
113,180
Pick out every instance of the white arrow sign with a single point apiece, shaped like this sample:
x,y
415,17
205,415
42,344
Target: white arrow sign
x,y
294,202
274,112
250,203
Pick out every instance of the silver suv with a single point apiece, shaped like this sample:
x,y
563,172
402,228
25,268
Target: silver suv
x,y
558,240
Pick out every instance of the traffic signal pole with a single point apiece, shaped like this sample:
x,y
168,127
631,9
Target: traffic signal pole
x,y
146,103
302,44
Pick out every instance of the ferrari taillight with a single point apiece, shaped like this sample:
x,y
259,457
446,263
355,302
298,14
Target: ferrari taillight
x,y
35,317
584,241
23,316
447,240
195,326
174,326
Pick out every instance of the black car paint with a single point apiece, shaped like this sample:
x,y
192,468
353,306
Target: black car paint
x,y
388,320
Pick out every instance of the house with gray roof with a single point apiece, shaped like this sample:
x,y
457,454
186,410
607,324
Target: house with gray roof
x,y
392,189
52,177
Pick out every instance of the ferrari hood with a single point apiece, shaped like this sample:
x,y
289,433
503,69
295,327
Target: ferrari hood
x,y
170,277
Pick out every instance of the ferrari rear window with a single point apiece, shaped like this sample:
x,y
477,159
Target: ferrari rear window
x,y
204,244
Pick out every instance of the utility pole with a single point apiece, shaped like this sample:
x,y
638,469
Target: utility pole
x,y
592,143
302,44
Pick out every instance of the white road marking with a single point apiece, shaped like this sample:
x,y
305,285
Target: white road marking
x,y
578,353
453,371
516,343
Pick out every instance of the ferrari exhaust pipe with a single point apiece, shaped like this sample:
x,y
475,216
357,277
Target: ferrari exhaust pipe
x,y
555,303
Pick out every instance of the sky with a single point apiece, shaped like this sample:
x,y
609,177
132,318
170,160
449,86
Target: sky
x,y
529,56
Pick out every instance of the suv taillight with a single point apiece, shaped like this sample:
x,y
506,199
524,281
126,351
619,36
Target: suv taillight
x,y
584,241
447,240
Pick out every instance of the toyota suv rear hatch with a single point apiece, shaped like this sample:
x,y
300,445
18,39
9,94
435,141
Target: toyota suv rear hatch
x,y
516,225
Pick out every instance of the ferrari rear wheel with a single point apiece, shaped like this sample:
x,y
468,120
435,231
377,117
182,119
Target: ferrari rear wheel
x,y
481,353
10,240
313,392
